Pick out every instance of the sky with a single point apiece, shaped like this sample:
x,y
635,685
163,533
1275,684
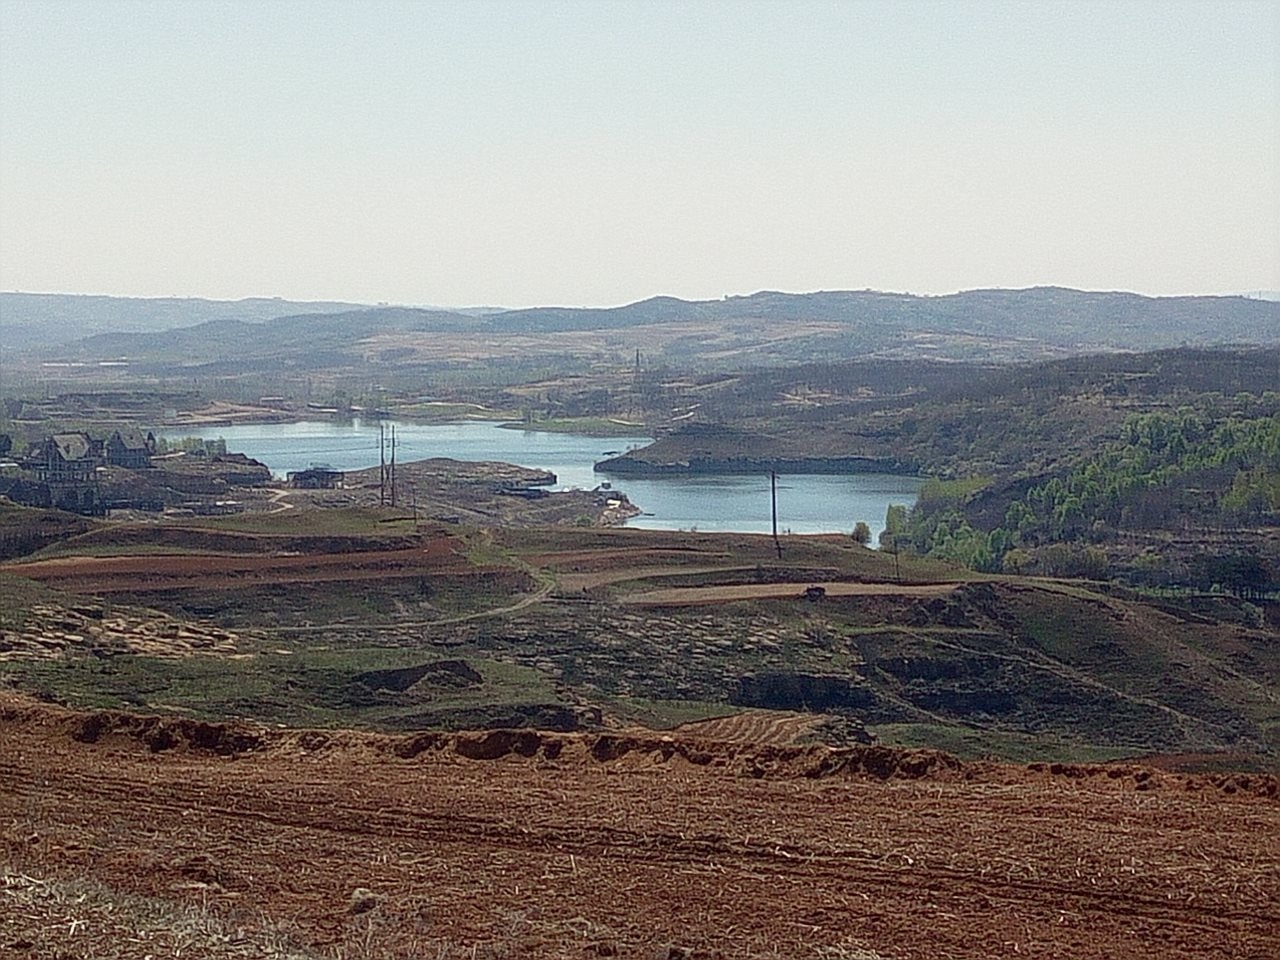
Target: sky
x,y
595,153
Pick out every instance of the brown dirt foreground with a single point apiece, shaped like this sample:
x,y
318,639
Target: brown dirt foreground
x,y
508,844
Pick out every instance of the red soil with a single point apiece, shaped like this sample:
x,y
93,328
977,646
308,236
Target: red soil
x,y
522,844
215,571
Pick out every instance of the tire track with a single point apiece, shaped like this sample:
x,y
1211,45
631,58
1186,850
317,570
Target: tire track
x,y
804,864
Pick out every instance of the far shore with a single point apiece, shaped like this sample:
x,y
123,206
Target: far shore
x,y
602,427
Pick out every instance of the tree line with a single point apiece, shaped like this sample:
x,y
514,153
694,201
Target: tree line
x,y
1179,469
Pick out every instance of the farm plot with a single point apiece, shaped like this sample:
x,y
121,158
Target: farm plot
x,y
630,845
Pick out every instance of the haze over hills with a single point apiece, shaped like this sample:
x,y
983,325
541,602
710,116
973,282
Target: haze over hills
x,y
35,320
39,320
763,328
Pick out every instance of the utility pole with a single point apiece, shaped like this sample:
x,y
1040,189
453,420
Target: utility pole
x,y
382,464
773,494
634,403
393,464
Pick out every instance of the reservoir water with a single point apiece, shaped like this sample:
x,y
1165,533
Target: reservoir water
x,y
807,503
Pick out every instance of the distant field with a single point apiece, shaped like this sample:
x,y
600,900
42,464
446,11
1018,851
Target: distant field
x,y
615,627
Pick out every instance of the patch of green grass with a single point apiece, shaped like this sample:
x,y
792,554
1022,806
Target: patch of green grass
x,y
17,596
934,490
666,714
1083,630
25,530
344,521
336,605
121,550
482,551
306,687
972,744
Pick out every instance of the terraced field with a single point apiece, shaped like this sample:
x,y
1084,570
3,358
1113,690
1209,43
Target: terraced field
x,y
610,627
774,727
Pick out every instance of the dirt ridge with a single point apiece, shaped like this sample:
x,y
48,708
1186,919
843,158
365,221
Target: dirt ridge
x,y
634,747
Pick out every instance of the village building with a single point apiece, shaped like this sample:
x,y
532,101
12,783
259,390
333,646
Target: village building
x,y
315,478
65,458
130,448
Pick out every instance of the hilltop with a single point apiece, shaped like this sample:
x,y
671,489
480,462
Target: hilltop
x,y
37,320
763,328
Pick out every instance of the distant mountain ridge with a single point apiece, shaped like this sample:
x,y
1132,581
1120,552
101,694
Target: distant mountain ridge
x,y
769,325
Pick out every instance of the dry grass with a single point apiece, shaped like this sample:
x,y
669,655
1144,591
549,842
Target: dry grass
x,y
57,918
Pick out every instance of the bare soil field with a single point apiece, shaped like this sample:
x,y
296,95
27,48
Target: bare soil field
x,y
627,844
213,571
777,727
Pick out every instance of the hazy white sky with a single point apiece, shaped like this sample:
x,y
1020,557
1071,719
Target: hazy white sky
x,y
602,152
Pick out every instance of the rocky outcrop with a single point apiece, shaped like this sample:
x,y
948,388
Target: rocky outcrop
x,y
802,691
50,631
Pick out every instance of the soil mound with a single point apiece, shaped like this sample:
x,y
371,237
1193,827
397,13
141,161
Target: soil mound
x,y
451,673
503,743
167,733
801,691
1144,778
156,733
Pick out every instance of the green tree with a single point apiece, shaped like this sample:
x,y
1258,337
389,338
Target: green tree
x,y
861,533
895,526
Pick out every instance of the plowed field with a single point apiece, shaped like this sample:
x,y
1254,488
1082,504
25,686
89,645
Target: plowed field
x,y
755,726
634,845
224,571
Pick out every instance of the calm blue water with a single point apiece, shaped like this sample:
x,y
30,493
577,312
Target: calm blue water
x,y
807,503
354,446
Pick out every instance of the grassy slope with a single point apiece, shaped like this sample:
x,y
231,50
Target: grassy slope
x,y
298,687
1008,666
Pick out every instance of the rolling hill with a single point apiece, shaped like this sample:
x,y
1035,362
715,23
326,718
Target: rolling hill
x,y
764,328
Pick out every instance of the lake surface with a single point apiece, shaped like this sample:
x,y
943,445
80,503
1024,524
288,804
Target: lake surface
x,y
807,503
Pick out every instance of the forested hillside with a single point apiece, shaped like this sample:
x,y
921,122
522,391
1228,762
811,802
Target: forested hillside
x,y
1177,473
1187,492
1163,467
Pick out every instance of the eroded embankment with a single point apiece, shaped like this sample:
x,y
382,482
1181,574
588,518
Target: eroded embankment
x,y
623,843
629,748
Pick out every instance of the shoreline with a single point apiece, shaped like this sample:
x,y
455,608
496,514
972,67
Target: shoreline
x,y
628,466
279,418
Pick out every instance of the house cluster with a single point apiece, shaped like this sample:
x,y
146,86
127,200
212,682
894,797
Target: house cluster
x,y
315,477
73,457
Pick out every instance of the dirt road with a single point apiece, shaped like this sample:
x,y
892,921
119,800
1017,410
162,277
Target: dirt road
x,y
687,596
561,845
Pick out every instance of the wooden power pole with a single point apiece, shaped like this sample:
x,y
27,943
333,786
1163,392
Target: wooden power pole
x,y
382,464
773,496
393,464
